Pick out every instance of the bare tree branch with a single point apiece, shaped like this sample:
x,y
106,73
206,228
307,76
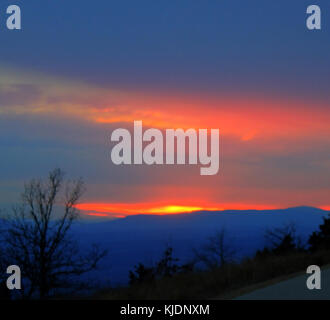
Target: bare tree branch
x,y
37,238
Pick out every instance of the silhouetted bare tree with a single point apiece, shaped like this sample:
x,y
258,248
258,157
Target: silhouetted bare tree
x,y
217,251
36,236
284,239
167,266
281,241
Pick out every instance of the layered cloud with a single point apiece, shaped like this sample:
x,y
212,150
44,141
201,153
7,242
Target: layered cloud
x,y
275,150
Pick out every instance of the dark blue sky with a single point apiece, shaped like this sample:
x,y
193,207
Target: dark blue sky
x,y
210,45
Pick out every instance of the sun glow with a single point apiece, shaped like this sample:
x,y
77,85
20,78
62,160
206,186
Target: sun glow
x,y
121,210
174,209
124,209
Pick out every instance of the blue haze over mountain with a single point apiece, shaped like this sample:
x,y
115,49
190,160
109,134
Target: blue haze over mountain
x,y
142,238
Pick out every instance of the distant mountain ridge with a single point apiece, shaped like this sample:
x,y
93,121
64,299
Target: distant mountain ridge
x,y
142,238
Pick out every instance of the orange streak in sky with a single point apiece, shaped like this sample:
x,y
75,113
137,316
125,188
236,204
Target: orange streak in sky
x,y
131,209
246,118
97,214
124,209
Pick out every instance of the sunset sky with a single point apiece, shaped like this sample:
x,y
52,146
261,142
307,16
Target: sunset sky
x,y
248,68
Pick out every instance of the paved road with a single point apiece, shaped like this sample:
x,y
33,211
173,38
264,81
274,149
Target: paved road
x,y
292,289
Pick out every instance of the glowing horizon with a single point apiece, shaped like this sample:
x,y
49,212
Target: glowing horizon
x,y
124,210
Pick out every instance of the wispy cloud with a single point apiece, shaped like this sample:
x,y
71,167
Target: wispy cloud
x,y
274,149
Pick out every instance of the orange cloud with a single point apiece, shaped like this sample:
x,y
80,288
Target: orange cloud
x,y
247,117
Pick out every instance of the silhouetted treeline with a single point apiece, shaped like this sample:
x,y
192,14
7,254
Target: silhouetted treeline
x,y
320,240
218,254
167,266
